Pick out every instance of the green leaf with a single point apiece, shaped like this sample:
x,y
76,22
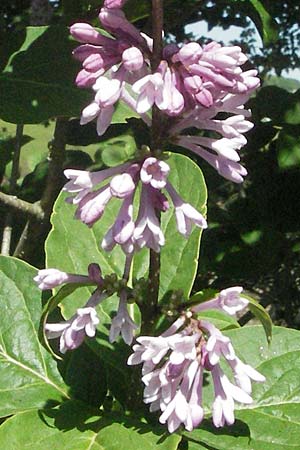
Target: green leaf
x,y
74,426
261,314
288,147
118,150
28,376
267,26
179,256
37,84
273,421
219,319
38,80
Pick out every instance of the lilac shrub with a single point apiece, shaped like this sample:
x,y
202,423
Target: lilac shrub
x,y
199,94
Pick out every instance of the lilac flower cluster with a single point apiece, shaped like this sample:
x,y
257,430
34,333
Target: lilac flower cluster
x,y
83,323
174,365
191,84
121,182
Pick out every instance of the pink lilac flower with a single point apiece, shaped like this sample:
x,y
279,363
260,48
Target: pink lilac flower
x,y
154,172
122,230
130,234
173,368
147,232
186,214
229,300
83,323
122,323
51,278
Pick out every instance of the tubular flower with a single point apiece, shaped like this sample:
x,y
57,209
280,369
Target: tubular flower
x,y
83,323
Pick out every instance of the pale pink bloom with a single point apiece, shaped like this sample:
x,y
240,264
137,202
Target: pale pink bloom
x,y
188,54
229,300
132,59
122,230
51,278
243,374
87,79
122,322
225,394
83,323
82,182
186,214
84,32
225,166
91,206
150,90
147,231
172,98
154,172
114,20
107,94
217,344
122,185
173,367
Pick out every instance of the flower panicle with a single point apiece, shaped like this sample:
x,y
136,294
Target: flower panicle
x,y
174,363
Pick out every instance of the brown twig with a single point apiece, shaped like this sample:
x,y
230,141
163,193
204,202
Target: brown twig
x,y
36,230
7,231
150,310
30,209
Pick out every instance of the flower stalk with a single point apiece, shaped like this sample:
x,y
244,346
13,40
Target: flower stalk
x,y
154,267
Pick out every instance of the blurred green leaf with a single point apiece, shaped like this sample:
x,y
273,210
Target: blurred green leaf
x,y
36,83
277,105
288,147
118,150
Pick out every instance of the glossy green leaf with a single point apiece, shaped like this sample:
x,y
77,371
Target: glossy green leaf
x,y
261,314
219,319
74,426
272,422
28,376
